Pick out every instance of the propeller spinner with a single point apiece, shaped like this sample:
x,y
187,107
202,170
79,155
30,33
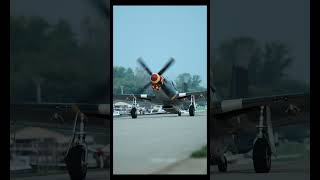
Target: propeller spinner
x,y
155,78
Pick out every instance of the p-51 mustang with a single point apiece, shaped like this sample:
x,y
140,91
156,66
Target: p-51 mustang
x,y
238,118
165,93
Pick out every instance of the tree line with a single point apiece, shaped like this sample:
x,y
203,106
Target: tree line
x,y
52,55
128,81
73,69
267,65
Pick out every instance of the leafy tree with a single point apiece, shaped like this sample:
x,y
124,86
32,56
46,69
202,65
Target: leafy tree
x,y
133,82
186,82
242,51
266,63
276,61
72,71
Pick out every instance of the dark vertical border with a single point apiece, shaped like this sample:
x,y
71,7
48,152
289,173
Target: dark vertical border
x,y
208,89
162,2
313,101
111,89
5,166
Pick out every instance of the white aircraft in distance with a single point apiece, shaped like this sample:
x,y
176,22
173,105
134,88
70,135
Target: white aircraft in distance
x,y
250,119
116,113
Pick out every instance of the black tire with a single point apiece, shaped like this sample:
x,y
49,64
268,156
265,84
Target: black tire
x,y
134,113
76,164
223,165
191,110
261,156
179,113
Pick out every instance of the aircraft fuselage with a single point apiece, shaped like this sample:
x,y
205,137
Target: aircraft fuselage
x,y
167,95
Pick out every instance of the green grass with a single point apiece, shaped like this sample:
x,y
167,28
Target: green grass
x,y
200,153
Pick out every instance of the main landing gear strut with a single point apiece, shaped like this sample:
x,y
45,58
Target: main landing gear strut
x,y
264,144
192,106
222,164
77,154
133,111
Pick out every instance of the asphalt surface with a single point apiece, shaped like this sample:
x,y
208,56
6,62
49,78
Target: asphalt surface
x,y
187,166
103,174
298,169
150,143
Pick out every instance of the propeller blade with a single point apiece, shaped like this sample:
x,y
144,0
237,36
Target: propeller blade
x,y
144,88
165,67
140,61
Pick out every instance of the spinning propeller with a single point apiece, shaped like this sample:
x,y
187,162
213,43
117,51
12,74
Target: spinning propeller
x,y
155,78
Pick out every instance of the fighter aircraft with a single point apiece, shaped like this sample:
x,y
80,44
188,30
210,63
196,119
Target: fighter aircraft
x,y
165,92
251,117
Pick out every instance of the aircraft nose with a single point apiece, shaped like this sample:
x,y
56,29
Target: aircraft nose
x,y
155,78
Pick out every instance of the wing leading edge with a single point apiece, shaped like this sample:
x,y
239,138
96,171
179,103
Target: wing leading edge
x,y
226,109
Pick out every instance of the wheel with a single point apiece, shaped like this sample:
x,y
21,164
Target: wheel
x,y
134,113
223,164
76,162
179,113
191,110
261,156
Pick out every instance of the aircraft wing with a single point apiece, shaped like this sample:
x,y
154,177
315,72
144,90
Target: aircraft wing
x,y
90,110
285,109
197,95
129,97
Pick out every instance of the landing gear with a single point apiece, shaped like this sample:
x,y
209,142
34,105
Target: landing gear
x,y
261,156
133,111
76,157
192,106
191,110
76,162
179,113
264,143
223,164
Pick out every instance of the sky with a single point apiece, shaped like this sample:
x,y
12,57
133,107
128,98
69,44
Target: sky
x,y
157,33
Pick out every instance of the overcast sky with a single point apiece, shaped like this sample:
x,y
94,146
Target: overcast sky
x,y
157,33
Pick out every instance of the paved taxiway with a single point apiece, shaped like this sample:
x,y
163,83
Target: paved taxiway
x,y
298,169
103,174
151,143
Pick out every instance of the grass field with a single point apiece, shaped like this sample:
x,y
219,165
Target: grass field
x,y
201,153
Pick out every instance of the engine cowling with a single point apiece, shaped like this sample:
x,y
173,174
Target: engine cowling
x,y
156,81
